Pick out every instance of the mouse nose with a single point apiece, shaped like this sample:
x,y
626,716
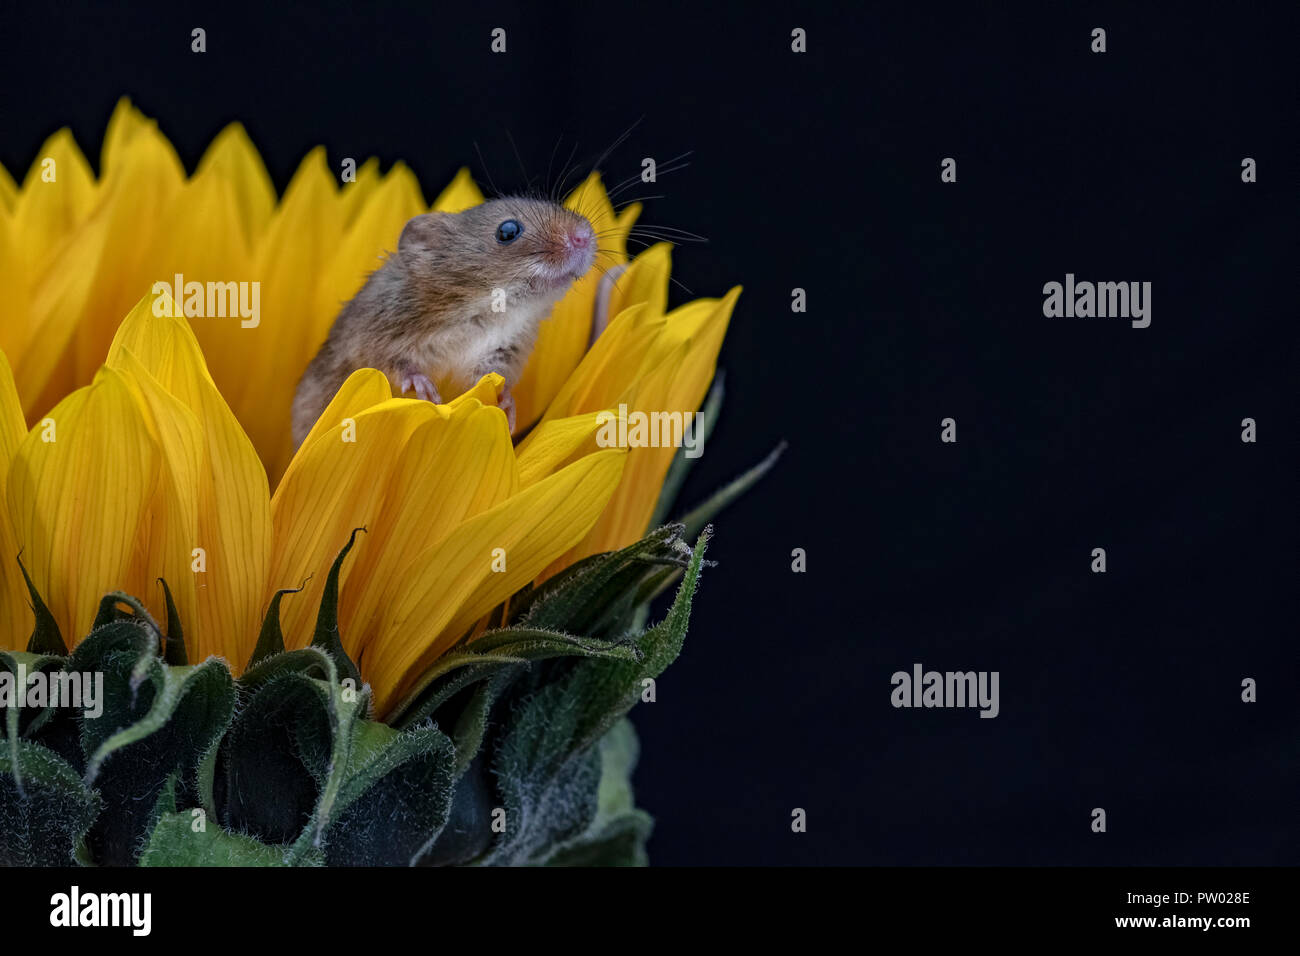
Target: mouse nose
x,y
580,237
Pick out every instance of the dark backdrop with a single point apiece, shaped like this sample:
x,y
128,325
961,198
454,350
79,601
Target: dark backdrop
x,y
821,171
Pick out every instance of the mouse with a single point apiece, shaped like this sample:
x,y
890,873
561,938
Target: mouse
x,y
462,295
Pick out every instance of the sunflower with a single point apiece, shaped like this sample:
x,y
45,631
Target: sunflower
x,y
137,444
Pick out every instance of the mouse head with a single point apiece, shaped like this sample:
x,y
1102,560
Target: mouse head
x,y
530,246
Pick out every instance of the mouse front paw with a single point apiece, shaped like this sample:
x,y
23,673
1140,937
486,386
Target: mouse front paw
x,y
422,385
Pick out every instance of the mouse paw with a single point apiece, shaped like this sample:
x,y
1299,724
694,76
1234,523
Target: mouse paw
x,y
422,385
507,404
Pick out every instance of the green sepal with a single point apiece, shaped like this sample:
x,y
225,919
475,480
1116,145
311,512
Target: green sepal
x,y
617,835
307,661
605,690
175,841
174,643
548,764
266,773
327,636
26,721
395,797
270,640
131,756
45,638
597,597
45,817
490,655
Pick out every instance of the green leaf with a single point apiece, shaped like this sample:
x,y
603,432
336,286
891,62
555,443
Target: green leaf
x,y
45,638
176,842
43,820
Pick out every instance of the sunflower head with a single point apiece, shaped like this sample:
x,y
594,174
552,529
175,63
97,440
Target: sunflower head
x,y
158,446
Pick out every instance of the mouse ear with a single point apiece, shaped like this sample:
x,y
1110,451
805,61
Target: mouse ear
x,y
422,232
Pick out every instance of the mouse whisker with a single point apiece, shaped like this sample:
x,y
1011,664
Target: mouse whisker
x,y
551,162
663,170
667,232
522,170
486,172
558,191
635,199
606,154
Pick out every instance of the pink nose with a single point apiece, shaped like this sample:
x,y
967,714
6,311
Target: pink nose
x,y
579,240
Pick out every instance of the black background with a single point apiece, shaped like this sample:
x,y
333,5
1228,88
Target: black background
x,y
821,171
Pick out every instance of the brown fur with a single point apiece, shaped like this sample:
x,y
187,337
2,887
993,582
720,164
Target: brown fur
x,y
428,309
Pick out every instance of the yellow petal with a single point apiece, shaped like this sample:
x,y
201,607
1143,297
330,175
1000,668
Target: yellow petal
x,y
364,388
686,354
460,194
233,160
209,246
361,251
15,615
646,280
632,503
234,527
77,502
170,530
555,443
449,471
609,368
8,191
299,243
99,274
486,391
564,336
15,286
453,583
44,216
336,483
46,212
358,192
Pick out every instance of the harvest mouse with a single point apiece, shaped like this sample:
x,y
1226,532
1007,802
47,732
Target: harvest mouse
x,y
462,297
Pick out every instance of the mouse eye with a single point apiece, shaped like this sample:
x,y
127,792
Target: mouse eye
x,y
509,231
